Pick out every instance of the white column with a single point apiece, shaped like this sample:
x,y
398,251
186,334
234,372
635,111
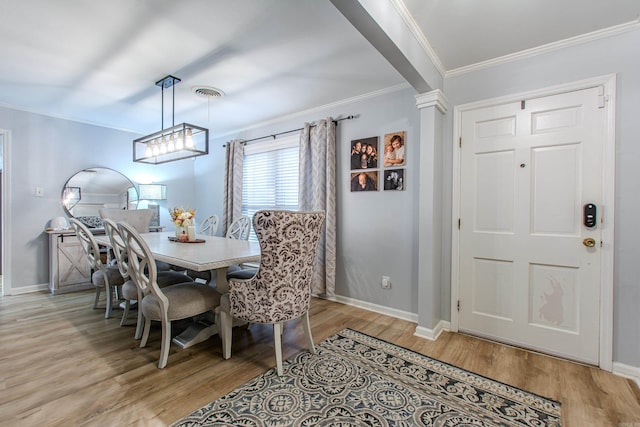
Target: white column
x,y
433,106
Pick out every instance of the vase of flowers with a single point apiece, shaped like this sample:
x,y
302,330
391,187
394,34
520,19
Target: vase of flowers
x,y
182,218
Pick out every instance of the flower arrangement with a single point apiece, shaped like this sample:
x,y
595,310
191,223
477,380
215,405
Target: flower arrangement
x,y
182,217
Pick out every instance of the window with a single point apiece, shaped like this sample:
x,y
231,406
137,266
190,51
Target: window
x,y
270,176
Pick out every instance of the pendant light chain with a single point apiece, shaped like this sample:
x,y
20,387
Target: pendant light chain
x,y
177,142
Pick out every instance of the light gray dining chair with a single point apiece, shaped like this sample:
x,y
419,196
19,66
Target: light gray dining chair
x,y
209,225
140,219
175,302
130,291
281,289
239,229
104,276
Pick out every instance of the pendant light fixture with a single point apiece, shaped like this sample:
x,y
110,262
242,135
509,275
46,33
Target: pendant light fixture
x,y
174,143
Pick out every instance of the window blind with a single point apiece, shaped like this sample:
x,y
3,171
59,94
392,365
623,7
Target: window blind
x,y
270,176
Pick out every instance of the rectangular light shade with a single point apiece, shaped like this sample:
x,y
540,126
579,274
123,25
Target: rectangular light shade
x,y
152,192
175,143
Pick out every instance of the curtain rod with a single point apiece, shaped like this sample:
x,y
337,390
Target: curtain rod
x,y
273,135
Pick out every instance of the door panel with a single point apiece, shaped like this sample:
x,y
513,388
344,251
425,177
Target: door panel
x,y
525,275
73,267
553,297
493,294
555,190
494,209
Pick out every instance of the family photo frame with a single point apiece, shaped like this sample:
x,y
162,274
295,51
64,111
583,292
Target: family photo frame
x,y
364,181
364,153
394,149
369,156
394,179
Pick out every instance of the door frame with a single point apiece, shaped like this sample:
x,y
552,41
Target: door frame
x,y
608,83
5,286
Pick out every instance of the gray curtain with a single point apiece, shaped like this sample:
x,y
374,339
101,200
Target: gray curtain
x,y
233,186
318,192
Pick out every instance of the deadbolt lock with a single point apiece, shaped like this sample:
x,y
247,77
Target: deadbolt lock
x,y
589,242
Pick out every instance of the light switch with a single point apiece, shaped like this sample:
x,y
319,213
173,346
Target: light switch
x,y
39,192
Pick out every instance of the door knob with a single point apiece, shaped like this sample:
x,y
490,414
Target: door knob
x,y
589,242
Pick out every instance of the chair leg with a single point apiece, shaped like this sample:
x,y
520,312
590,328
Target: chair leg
x,y
95,303
107,313
166,343
145,332
307,332
225,333
125,313
141,320
277,338
139,324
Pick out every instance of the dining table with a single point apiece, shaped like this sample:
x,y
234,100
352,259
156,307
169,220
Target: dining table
x,y
202,254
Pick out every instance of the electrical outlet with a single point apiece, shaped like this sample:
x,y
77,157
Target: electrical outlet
x,y
386,282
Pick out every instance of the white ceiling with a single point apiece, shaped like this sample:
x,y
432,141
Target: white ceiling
x,y
465,32
98,61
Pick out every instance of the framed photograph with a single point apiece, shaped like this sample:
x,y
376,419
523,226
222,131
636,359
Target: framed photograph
x,y
394,149
364,153
394,179
364,181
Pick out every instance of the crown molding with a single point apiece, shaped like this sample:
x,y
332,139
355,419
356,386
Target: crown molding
x,y
414,28
319,109
550,47
67,118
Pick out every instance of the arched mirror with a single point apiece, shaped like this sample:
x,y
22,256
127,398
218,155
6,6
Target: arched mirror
x,y
91,189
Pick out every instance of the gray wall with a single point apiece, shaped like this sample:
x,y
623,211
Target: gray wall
x,y
376,230
45,152
614,55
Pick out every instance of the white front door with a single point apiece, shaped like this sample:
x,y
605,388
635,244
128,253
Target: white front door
x,y
527,273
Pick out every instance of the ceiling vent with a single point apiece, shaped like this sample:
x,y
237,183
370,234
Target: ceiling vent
x,y
207,92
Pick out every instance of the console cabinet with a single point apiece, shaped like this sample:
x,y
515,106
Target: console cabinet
x,y
68,265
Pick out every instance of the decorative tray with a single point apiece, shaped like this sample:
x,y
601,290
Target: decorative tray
x,y
175,239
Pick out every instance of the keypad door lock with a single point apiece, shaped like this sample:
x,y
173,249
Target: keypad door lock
x,y
589,215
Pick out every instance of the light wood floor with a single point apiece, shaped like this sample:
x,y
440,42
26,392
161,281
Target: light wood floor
x,y
62,363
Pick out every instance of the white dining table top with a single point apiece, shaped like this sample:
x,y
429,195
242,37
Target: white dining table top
x,y
214,253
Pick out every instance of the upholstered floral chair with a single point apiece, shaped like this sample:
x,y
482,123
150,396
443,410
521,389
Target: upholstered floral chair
x,y
175,302
281,289
104,276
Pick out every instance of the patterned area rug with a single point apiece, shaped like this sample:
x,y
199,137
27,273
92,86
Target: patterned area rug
x,y
357,380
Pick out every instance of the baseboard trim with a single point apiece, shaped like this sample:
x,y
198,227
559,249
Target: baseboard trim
x,y
433,334
627,371
28,289
422,332
398,314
